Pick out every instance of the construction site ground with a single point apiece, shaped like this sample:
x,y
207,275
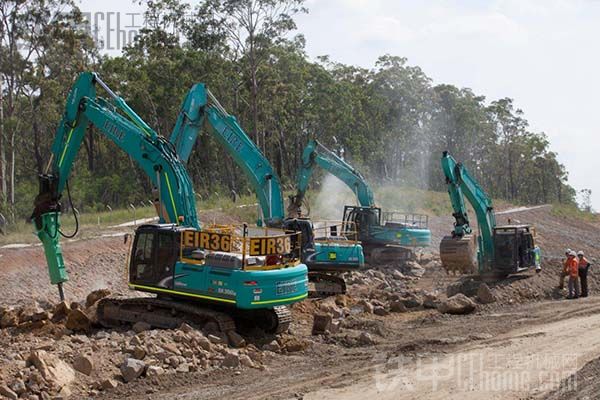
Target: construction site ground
x,y
529,343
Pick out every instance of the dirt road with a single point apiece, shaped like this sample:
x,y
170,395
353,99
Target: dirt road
x,y
523,352
515,365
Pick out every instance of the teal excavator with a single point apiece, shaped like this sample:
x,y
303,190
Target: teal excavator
x,y
198,276
325,258
386,237
496,250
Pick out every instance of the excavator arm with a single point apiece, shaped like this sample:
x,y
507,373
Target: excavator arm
x,y
114,119
317,154
201,106
460,185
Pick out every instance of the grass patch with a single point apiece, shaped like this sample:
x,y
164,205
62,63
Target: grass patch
x,y
91,223
571,211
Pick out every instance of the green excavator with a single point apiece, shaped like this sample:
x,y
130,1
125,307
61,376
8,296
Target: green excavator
x,y
385,236
325,257
497,250
203,277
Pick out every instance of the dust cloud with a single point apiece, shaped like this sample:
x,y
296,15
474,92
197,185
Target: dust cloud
x,y
329,202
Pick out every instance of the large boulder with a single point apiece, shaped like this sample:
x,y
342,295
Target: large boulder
x,y
9,319
457,304
321,323
411,300
485,295
60,311
132,369
468,287
412,268
84,364
235,339
53,369
430,300
78,321
95,296
8,393
231,360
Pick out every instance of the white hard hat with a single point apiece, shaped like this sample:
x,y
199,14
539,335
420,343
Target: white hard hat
x,y
568,251
572,253
580,253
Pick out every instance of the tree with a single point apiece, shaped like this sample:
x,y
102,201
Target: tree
x,y
586,200
252,27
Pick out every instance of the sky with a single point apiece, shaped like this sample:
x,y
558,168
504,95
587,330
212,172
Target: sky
x,y
545,54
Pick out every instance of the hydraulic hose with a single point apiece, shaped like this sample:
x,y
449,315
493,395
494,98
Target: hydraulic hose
x,y
74,215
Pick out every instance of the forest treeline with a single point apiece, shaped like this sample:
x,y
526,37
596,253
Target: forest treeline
x,y
391,120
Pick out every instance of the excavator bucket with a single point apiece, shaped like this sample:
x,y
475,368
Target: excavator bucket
x,y
459,254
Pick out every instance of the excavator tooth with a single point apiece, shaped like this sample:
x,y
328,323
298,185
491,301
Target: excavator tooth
x,y
459,255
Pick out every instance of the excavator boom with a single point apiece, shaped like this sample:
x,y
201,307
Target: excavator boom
x,y
154,155
316,154
199,106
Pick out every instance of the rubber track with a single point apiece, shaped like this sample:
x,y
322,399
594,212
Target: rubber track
x,y
191,312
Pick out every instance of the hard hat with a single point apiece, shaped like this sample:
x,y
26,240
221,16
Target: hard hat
x,y
572,253
580,253
568,251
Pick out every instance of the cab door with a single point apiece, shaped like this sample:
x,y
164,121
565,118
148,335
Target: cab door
x,y
153,258
142,259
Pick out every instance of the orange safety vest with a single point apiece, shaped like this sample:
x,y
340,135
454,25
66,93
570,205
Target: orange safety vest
x,y
566,266
583,262
573,265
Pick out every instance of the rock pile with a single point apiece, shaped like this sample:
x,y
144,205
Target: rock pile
x,y
59,352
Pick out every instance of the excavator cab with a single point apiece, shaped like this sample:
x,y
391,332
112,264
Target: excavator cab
x,y
153,256
514,248
305,227
362,219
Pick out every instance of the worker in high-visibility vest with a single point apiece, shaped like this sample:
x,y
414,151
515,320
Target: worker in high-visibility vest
x,y
584,266
573,269
564,271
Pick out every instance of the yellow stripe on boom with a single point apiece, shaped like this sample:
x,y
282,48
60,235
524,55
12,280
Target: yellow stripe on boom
x,y
172,199
62,157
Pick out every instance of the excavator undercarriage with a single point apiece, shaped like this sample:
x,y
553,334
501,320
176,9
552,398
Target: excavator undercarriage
x,y
170,313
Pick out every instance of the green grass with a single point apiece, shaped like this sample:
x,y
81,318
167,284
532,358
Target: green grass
x,y
571,211
91,223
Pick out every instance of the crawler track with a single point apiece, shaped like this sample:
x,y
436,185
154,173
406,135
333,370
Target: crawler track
x,y
160,313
